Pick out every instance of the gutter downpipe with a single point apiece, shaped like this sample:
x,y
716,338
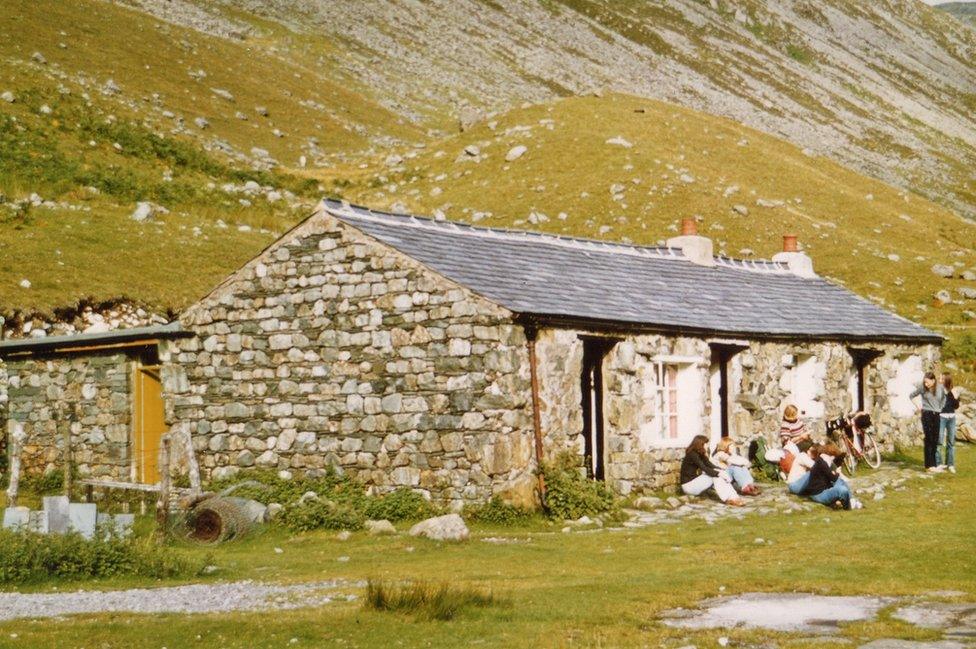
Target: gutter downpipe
x,y
531,333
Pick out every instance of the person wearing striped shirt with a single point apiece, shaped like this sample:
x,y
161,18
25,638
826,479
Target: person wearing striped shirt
x,y
793,431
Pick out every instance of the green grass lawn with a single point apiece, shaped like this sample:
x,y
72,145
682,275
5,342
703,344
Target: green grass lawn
x,y
603,589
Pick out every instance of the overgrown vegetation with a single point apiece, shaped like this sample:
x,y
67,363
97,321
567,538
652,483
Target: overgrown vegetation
x,y
28,558
425,600
497,512
331,501
570,495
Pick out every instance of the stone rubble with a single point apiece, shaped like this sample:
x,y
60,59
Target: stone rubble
x,y
191,599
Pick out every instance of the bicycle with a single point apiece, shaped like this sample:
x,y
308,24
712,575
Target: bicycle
x,y
866,448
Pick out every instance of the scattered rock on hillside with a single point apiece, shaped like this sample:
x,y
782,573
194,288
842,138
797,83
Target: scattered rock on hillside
x,y
472,150
262,111
37,57
111,88
146,210
515,153
943,270
943,296
201,122
620,141
25,283
740,209
442,528
223,94
8,97
468,116
968,293
380,527
766,202
969,275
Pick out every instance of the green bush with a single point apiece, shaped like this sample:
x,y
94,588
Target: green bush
x,y
497,512
402,504
427,601
321,514
570,495
341,502
27,557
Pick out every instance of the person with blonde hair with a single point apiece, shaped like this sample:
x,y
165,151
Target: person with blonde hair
x,y
727,457
698,474
792,431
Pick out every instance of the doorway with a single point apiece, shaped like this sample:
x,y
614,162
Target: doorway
x,y
595,350
148,423
862,359
722,354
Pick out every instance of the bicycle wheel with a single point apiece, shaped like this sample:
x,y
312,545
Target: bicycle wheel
x,y
872,452
850,461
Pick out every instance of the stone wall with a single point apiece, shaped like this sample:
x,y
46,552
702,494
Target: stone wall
x,y
763,380
332,350
764,391
634,459
43,394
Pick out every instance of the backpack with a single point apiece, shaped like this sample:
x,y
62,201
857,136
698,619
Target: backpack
x,y
757,455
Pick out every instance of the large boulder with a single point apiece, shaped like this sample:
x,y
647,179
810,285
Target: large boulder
x,y
442,528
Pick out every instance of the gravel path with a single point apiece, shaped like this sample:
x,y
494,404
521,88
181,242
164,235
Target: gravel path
x,y
194,598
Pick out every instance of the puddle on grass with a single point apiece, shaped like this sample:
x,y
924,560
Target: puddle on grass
x,y
788,612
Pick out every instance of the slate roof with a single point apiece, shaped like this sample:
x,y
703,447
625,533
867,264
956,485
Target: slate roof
x,y
649,288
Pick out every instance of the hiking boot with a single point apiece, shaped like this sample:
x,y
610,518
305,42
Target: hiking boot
x,y
952,469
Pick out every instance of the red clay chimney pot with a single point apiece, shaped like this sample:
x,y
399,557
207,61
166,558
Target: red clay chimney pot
x,y
789,243
689,227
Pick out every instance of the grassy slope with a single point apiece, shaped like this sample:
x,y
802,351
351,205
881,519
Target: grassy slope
x,y
70,254
581,589
848,223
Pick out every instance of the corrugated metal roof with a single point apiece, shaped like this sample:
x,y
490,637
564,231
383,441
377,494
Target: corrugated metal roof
x,y
655,287
54,343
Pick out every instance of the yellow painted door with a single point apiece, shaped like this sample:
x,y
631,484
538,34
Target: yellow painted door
x,y
149,424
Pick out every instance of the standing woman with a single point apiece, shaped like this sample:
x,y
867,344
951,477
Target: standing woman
x,y
933,399
947,425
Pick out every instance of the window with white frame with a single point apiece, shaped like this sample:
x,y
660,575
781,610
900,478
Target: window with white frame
x,y
672,408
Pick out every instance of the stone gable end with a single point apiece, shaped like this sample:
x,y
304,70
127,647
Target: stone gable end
x,y
332,350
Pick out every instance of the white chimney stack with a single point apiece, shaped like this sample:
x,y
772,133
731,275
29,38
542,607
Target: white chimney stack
x,y
799,263
696,248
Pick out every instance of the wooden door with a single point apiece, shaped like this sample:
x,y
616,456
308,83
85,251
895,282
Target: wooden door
x,y
149,424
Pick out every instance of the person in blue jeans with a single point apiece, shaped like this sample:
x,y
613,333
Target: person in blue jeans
x,y
947,426
824,485
933,400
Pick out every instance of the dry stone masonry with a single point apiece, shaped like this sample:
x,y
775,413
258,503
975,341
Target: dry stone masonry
x,y
397,350
330,351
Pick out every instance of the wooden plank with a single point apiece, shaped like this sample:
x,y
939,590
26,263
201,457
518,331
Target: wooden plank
x,y
114,484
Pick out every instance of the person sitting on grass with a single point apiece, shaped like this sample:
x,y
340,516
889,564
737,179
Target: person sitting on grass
x,y
825,485
698,474
727,457
799,475
793,432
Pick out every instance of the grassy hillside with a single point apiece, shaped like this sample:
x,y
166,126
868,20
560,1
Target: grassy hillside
x,y
108,100
625,168
104,114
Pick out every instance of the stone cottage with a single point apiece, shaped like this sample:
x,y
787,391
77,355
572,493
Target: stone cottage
x,y
451,359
